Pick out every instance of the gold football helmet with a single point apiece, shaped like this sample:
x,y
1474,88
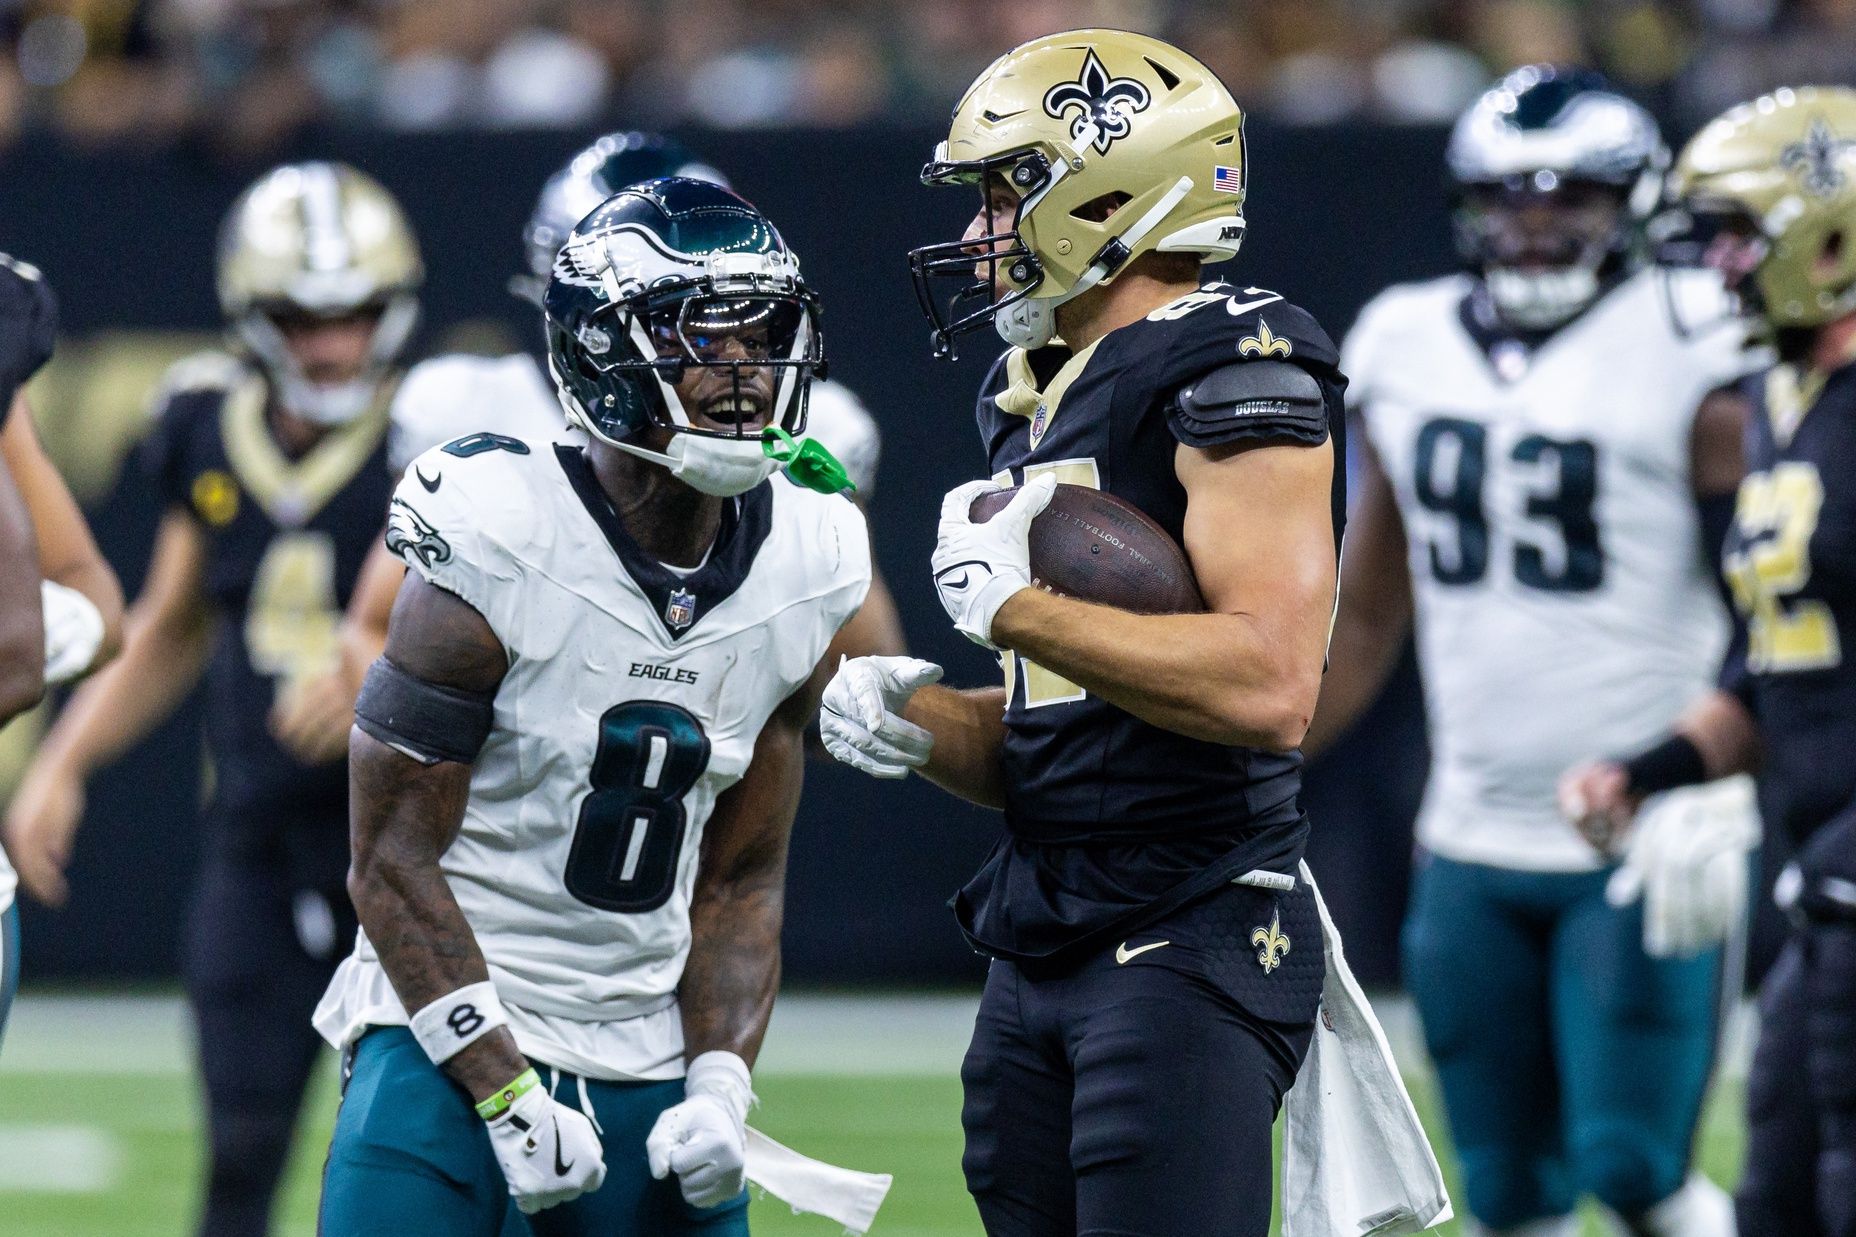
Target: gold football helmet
x,y
1766,193
319,240
1114,145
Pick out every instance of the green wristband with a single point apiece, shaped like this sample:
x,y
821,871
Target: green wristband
x,y
498,1104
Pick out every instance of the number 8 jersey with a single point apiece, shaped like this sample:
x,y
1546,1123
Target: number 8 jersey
x,y
634,697
1565,604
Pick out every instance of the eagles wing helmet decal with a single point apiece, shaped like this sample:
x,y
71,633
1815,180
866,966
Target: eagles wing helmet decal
x,y
409,534
1101,100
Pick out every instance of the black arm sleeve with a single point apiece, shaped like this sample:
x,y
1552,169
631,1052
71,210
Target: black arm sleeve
x,y
1265,401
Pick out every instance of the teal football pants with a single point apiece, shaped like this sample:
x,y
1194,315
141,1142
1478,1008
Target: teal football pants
x,y
9,961
1572,1063
410,1157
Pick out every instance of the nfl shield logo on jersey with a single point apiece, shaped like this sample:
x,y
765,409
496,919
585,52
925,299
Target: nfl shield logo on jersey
x,y
680,610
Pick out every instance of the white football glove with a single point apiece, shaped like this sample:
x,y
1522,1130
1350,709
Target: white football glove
x,y
860,715
703,1140
73,631
1687,859
977,567
550,1153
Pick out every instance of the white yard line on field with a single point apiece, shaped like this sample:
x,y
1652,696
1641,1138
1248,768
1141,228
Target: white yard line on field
x,y
58,1159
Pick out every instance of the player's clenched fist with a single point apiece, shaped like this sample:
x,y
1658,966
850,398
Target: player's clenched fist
x,y
549,1152
978,567
860,715
703,1140
1597,798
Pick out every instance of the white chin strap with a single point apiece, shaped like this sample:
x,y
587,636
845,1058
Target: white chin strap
x,y
1032,322
723,467
1539,300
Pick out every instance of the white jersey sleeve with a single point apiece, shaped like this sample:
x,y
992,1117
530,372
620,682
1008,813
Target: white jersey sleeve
x,y
439,524
837,418
447,397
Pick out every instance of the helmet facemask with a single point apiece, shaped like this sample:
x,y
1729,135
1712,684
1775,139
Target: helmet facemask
x,y
265,329
1545,244
718,364
979,266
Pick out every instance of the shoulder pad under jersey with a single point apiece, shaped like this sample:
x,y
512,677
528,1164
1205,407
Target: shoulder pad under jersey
x,y
1269,401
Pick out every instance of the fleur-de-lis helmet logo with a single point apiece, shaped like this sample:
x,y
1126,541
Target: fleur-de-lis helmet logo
x,y
1814,160
1098,99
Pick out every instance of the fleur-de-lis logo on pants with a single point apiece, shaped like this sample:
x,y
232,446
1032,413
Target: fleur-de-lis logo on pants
x,y
1814,160
1264,343
1271,943
1100,100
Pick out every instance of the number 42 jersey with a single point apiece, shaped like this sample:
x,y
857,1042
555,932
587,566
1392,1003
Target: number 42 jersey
x,y
1565,604
634,697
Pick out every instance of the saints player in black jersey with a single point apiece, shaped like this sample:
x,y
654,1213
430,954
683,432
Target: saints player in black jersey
x,y
272,466
1767,196
1144,1014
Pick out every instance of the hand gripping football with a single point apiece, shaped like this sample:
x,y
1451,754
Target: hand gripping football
x,y
1095,547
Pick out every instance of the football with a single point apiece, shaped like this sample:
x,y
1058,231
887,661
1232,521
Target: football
x,y
1095,547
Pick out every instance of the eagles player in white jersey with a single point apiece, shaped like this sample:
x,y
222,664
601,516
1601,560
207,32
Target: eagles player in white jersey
x,y
576,767
446,396
1549,476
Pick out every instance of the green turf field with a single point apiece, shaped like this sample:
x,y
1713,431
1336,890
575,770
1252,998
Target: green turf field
x,y
141,1124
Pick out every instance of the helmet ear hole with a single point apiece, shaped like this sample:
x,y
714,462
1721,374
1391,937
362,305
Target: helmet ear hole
x,y
1167,77
1098,209
1830,255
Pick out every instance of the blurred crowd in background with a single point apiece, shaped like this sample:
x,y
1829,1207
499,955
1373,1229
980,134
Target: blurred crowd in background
x,y
246,74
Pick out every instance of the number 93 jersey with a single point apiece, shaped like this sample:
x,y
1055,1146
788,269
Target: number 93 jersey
x,y
1565,606
634,697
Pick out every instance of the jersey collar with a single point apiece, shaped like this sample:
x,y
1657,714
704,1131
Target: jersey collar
x,y
680,602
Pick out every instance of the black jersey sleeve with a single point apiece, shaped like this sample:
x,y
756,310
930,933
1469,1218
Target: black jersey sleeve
x,y
1247,365
28,327
166,453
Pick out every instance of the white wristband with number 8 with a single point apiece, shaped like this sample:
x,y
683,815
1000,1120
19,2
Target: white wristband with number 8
x,y
453,1023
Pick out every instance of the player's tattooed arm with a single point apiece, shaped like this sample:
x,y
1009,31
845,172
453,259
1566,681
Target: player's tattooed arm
x,y
733,972
1374,614
403,815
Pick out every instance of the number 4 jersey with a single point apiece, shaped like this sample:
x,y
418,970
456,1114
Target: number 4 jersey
x,y
1565,605
634,697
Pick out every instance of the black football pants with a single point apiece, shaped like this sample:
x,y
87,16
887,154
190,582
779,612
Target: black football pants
x,y
259,955
1135,1098
1800,1177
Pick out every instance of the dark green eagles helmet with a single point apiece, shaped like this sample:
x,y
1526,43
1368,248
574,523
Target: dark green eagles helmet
x,y
674,275
594,174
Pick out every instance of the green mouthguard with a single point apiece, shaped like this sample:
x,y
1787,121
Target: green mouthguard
x,y
807,462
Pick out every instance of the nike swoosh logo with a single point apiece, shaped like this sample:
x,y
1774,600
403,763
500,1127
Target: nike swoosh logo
x,y
1123,953
1234,308
560,1169
431,487
951,582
